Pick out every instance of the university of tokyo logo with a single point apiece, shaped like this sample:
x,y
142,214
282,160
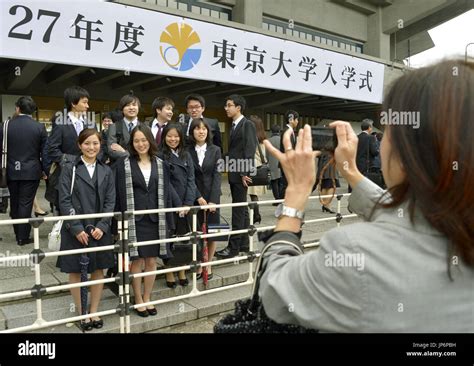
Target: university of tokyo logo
x,y
178,46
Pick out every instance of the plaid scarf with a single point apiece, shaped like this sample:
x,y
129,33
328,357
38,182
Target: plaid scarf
x,y
132,234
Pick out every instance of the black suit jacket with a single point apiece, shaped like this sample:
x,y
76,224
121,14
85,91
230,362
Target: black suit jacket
x,y
207,176
63,140
145,197
182,177
366,151
292,139
242,148
26,144
213,124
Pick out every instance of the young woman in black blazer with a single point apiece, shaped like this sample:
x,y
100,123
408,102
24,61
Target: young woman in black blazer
x,y
93,192
205,157
172,151
146,176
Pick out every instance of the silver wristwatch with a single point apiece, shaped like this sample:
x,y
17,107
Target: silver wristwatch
x,y
283,210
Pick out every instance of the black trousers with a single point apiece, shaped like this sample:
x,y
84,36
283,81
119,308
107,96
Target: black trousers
x,y
276,187
240,217
22,194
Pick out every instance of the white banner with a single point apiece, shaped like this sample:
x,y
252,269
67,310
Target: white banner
x,y
113,36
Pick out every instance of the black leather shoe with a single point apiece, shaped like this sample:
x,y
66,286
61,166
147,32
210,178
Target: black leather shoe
x,y
183,282
97,324
152,312
85,326
24,241
326,209
143,313
171,284
226,253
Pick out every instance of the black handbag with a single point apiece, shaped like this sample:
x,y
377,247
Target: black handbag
x,y
183,250
263,175
249,315
3,171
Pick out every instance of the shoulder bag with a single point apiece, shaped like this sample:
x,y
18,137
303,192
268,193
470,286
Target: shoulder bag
x,y
54,237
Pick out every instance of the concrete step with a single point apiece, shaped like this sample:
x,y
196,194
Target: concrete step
x,y
23,312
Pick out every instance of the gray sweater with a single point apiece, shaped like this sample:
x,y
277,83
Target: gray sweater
x,y
386,275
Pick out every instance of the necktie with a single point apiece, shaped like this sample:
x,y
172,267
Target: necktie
x,y
233,128
78,127
158,134
130,126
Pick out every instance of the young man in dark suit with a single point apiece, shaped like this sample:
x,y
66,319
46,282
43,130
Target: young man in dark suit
x,y
195,106
26,142
291,117
118,134
62,142
367,148
242,147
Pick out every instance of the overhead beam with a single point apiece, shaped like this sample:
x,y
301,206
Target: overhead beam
x,y
134,80
277,98
99,76
60,73
25,75
229,89
160,85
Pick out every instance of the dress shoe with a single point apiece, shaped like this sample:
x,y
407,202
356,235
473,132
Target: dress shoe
x,y
226,253
24,241
325,209
152,312
97,324
143,313
85,326
183,282
41,213
171,284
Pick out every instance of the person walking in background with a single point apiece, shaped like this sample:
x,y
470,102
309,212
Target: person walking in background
x,y
255,191
143,183
93,192
274,165
327,177
26,139
205,156
366,149
242,147
292,121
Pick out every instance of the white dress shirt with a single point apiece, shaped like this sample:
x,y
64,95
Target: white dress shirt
x,y
201,152
127,123
154,127
90,167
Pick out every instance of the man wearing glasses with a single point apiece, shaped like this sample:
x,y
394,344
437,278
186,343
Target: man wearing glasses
x,y
195,106
242,147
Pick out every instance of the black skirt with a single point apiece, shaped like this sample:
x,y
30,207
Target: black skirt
x,y
148,230
97,260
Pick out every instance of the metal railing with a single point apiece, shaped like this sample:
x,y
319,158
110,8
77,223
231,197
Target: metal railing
x,y
121,248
